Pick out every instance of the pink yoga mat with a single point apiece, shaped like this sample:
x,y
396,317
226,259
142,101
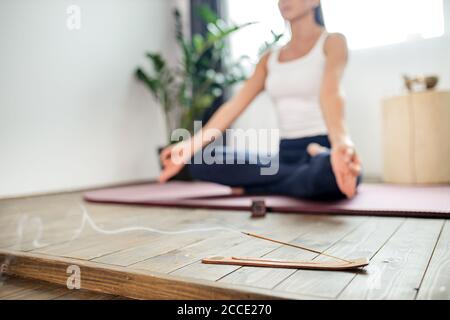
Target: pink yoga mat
x,y
372,199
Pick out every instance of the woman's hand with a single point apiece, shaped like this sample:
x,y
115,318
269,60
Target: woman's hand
x,y
346,167
173,158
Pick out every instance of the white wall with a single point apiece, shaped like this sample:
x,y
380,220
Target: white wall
x,y
373,74
447,15
71,114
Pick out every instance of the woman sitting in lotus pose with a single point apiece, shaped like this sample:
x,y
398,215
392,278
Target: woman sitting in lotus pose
x,y
317,158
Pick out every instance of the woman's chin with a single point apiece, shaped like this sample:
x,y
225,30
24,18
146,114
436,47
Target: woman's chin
x,y
288,16
291,17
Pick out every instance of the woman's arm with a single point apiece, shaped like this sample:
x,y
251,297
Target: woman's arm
x,y
220,121
332,101
344,160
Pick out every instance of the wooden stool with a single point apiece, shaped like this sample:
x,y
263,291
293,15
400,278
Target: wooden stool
x,y
416,138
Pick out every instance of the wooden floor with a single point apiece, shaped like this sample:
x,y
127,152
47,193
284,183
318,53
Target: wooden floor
x,y
24,289
410,258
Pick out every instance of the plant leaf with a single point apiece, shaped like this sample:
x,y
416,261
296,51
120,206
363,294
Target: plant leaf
x,y
198,42
206,14
158,61
152,83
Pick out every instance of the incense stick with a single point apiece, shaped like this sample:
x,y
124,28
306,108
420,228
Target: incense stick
x,y
274,261
295,246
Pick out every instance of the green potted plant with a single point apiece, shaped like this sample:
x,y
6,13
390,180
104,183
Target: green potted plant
x,y
187,89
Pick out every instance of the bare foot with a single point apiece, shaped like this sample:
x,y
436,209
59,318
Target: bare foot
x,y
236,191
315,149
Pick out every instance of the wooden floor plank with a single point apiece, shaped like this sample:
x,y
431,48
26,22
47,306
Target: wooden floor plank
x,y
365,241
270,277
57,225
397,269
31,290
130,255
39,293
436,283
85,295
96,245
125,282
172,244
26,289
62,224
258,248
178,258
161,245
61,221
11,286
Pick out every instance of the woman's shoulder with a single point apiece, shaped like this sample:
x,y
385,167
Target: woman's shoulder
x,y
265,58
335,41
269,55
273,51
335,38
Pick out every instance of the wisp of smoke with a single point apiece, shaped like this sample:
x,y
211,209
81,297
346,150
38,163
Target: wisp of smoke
x,y
87,220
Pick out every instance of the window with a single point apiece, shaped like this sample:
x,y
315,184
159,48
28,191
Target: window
x,y
267,17
370,23
366,23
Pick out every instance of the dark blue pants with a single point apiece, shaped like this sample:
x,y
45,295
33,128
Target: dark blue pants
x,y
299,174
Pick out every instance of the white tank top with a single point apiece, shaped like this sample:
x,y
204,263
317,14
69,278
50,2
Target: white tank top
x,y
294,88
